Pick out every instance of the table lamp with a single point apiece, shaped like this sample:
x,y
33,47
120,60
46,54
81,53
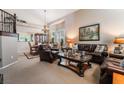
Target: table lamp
x,y
119,41
70,43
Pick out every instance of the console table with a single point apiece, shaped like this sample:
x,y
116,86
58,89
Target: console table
x,y
120,56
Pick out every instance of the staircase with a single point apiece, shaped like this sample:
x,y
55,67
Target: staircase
x,y
8,38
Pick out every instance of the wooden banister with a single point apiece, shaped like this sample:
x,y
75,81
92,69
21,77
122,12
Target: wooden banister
x,y
7,22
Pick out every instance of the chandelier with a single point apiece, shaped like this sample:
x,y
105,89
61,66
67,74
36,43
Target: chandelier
x,y
45,28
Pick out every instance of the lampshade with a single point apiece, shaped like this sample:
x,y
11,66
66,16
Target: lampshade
x,y
119,40
70,41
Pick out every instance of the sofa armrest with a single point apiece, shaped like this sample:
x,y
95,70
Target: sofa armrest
x,y
105,54
99,57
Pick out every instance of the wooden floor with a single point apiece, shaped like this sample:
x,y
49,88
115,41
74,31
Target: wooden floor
x,y
32,71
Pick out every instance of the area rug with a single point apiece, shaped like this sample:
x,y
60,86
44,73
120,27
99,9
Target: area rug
x,y
29,56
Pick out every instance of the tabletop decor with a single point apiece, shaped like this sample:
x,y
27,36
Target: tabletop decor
x,y
119,48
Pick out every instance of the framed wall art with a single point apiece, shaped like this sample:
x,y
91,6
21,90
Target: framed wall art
x,y
89,33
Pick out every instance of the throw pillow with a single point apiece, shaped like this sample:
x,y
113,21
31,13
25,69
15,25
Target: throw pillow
x,y
99,48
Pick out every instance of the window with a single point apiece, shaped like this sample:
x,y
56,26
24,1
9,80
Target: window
x,y
58,33
25,37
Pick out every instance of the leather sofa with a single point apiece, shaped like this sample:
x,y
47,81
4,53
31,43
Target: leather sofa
x,y
96,57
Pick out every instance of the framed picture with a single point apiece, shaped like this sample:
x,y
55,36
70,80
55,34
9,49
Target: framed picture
x,y
89,33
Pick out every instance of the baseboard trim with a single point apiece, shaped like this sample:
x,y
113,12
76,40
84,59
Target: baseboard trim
x,y
8,65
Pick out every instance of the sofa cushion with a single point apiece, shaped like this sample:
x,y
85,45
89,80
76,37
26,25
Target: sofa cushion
x,y
87,47
90,47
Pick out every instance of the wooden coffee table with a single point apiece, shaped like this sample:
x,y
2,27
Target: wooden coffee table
x,y
82,63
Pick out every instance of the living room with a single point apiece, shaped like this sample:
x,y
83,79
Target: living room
x,y
64,32
84,38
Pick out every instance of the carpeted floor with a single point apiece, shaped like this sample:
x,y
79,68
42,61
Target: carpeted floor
x,y
32,71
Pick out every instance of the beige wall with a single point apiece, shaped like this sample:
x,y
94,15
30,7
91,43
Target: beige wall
x,y
70,27
111,23
22,47
8,49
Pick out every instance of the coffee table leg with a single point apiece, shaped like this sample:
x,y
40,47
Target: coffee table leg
x,y
81,71
60,59
89,65
1,78
69,62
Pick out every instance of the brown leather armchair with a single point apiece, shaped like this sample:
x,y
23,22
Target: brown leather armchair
x,y
45,55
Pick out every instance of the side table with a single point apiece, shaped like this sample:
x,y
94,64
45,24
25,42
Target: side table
x,y
119,56
113,65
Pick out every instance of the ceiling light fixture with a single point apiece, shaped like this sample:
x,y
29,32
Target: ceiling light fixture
x,y
45,28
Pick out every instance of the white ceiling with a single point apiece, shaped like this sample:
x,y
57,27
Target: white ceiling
x,y
36,16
